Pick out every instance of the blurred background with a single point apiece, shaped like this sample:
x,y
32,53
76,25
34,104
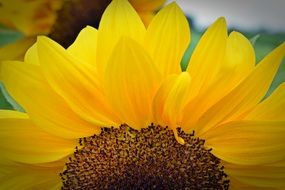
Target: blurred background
x,y
262,21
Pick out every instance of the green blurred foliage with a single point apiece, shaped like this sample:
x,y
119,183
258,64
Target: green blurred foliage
x,y
8,36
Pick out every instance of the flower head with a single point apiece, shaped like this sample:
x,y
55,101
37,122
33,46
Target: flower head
x,y
207,127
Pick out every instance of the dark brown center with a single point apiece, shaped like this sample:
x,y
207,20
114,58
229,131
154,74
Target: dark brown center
x,y
75,15
124,158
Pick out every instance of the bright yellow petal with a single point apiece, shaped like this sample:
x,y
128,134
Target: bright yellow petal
x,y
119,19
17,50
22,141
271,108
49,111
257,175
208,56
167,38
238,62
75,81
31,56
246,95
239,58
131,81
171,99
18,176
85,46
248,142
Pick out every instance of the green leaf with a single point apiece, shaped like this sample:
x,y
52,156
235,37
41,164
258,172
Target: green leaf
x,y
6,101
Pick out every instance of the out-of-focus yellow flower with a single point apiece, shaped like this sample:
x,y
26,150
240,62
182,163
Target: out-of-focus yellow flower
x,y
29,17
37,17
129,77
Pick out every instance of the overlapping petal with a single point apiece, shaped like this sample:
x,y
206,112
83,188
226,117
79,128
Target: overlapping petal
x,y
27,85
237,185
119,19
76,82
22,141
239,61
248,142
271,108
171,99
261,176
85,46
208,56
20,176
246,95
167,38
131,83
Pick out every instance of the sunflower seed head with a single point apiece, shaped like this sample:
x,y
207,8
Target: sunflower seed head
x,y
123,158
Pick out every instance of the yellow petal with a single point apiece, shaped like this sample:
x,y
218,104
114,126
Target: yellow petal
x,y
19,176
167,38
31,55
271,108
263,183
238,62
246,95
257,175
49,111
22,141
248,142
119,19
171,99
239,58
131,81
207,56
75,81
238,185
85,46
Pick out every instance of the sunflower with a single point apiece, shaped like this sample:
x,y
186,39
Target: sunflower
x,y
60,19
115,111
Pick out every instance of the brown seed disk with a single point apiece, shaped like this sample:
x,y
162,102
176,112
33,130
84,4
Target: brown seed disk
x,y
124,158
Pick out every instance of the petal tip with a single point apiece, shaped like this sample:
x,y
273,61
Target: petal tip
x,y
186,75
43,41
119,2
221,21
173,5
42,38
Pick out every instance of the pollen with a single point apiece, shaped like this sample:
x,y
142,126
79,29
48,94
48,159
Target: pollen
x,y
123,158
